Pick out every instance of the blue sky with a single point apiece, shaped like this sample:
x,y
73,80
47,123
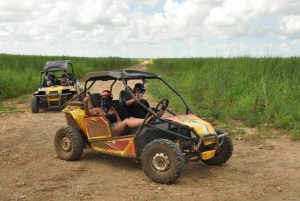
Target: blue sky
x,y
151,28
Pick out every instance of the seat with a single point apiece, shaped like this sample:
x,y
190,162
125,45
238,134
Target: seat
x,y
95,99
123,98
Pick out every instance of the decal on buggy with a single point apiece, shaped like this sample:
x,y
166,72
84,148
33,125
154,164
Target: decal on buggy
x,y
123,147
201,127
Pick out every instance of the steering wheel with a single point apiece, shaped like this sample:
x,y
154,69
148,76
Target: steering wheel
x,y
164,104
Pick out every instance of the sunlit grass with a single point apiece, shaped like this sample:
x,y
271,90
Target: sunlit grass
x,y
260,92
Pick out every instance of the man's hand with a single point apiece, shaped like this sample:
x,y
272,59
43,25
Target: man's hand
x,y
139,96
160,113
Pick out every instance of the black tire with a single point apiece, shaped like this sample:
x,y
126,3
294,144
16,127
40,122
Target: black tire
x,y
162,161
34,104
68,143
225,152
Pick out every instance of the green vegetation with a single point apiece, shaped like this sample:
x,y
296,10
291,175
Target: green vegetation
x,y
261,92
20,74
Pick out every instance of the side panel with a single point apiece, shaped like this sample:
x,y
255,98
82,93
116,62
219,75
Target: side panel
x,y
97,128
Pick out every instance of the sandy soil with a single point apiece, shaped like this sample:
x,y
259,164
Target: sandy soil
x,y
30,169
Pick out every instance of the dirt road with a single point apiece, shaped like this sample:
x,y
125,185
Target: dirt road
x,y
30,169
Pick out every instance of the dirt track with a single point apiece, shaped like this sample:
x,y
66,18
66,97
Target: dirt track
x,y
30,169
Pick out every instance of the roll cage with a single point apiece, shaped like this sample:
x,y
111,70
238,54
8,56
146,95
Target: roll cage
x,y
124,76
56,66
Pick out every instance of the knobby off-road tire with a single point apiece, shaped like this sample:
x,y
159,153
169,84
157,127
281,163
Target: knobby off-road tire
x,y
68,143
224,153
34,104
162,161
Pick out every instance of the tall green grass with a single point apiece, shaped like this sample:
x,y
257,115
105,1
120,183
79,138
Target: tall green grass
x,y
257,91
20,74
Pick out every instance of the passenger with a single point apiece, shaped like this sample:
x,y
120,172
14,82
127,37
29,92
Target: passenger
x,y
106,108
65,80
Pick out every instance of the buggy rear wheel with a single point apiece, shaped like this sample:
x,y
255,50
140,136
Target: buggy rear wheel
x,y
162,161
34,104
68,143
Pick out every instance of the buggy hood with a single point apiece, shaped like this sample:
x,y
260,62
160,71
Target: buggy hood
x,y
200,126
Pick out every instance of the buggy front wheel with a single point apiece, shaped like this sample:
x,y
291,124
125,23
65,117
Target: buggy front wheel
x,y
224,152
162,161
34,104
68,143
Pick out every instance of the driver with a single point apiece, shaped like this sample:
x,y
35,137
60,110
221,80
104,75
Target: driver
x,y
135,109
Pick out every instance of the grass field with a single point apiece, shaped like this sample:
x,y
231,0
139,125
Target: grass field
x,y
260,92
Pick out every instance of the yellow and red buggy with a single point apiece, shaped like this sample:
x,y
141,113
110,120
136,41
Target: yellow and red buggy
x,y
163,146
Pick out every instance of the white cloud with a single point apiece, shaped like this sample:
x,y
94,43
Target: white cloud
x,y
149,2
183,15
189,27
290,27
296,42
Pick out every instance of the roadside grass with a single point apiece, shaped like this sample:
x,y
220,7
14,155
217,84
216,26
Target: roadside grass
x,y
23,99
261,93
295,135
7,107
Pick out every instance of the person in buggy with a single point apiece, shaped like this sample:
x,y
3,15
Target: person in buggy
x,y
65,81
49,80
106,108
136,110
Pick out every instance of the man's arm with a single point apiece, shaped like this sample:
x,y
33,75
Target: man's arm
x,y
130,102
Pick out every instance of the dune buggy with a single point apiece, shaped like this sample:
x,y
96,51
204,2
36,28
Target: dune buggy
x,y
55,95
163,147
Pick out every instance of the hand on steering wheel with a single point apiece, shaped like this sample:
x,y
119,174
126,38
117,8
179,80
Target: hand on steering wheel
x,y
164,105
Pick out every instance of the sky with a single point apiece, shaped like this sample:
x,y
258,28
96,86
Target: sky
x,y
150,28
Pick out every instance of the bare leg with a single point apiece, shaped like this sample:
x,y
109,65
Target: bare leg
x,y
120,127
133,122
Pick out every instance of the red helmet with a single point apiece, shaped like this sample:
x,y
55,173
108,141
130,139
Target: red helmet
x,y
106,93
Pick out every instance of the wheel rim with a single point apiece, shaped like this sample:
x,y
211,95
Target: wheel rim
x,y
66,144
161,162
